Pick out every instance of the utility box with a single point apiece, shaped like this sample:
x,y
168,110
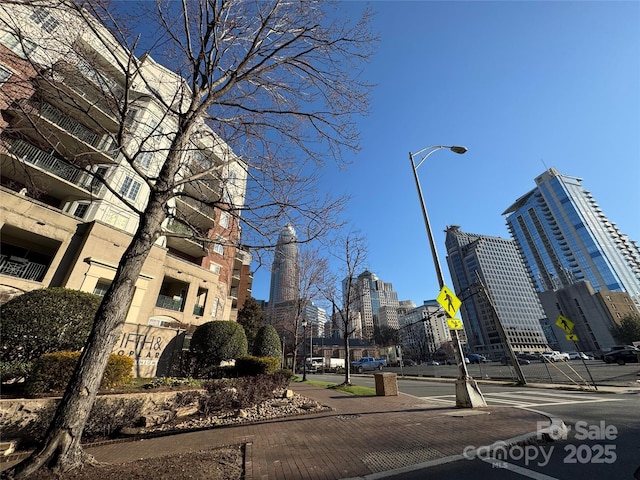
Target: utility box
x,y
386,384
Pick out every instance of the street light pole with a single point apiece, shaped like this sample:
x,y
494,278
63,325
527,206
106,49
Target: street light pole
x,y
304,350
468,393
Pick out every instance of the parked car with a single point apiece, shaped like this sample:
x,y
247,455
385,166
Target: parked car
x,y
368,363
628,354
431,362
476,358
554,356
529,356
507,360
577,356
407,362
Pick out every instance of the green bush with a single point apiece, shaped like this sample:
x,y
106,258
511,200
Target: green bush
x,y
251,366
43,321
52,372
267,343
213,342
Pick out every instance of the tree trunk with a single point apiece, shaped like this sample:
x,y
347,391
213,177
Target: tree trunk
x,y
347,363
61,450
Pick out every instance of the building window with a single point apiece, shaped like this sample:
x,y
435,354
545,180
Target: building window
x,y
218,248
214,268
4,75
101,287
117,220
81,210
144,159
224,219
22,48
130,188
43,18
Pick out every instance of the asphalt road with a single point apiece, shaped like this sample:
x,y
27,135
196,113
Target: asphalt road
x,y
572,372
602,441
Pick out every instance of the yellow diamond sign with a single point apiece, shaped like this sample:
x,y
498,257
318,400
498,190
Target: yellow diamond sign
x,y
454,323
448,301
572,337
565,324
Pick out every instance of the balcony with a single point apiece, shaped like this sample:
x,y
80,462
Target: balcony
x,y
184,244
21,268
73,181
196,213
72,138
170,303
102,143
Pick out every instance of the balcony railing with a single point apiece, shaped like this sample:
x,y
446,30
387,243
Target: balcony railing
x,y
33,155
176,226
70,125
170,303
21,268
199,206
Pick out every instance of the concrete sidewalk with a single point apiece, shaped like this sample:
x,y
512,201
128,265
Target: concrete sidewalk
x,y
360,437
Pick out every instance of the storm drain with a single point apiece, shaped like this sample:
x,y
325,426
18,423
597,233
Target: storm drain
x,y
391,459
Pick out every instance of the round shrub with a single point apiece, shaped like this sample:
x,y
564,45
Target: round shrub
x,y
267,343
44,321
213,342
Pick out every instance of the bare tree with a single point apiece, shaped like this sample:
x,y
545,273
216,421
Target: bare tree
x,y
341,291
270,86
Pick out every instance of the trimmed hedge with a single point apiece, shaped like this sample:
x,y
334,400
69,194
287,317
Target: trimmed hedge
x,y
251,366
52,372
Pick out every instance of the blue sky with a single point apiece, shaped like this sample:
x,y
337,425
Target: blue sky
x,y
524,86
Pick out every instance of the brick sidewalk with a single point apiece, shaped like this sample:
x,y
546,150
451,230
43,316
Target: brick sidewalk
x,y
359,436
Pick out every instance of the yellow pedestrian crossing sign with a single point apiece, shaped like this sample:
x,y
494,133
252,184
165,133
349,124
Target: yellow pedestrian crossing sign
x,y
565,324
572,337
454,323
448,301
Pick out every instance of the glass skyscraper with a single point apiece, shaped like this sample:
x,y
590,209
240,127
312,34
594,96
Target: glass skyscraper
x,y
285,271
565,238
496,262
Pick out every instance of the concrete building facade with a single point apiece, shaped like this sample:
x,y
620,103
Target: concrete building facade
x,y
70,201
494,261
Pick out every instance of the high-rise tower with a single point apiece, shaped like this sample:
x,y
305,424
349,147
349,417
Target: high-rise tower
x,y
564,239
372,294
497,263
285,272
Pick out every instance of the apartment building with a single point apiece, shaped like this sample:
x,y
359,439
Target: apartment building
x,y
71,199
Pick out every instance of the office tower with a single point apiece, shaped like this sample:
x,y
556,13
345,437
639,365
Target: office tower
x,y
70,199
371,294
316,318
424,333
496,262
285,271
565,238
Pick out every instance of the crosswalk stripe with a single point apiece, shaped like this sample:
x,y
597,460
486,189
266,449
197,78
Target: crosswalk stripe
x,y
523,398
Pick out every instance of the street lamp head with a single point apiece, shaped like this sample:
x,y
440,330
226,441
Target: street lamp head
x,y
458,149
